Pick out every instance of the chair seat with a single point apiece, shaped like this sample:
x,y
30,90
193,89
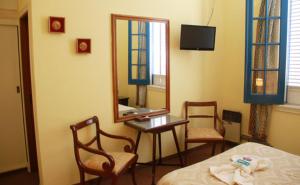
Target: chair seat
x,y
205,134
121,160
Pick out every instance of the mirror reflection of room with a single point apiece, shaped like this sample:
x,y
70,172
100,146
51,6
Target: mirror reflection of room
x,y
141,61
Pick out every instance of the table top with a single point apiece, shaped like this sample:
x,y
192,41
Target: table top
x,y
156,123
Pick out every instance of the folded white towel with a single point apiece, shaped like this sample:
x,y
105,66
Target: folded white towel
x,y
240,170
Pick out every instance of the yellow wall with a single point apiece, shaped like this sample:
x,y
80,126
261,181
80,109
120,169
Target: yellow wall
x,y
11,10
69,87
23,6
124,89
156,97
284,131
232,83
8,11
284,127
122,56
9,4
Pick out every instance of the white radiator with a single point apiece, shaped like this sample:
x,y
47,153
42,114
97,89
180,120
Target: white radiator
x,y
232,124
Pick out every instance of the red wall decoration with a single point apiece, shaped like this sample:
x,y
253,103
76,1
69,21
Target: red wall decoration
x,y
57,24
83,45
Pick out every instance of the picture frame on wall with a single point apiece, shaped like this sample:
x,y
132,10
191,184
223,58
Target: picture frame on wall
x,y
56,24
83,45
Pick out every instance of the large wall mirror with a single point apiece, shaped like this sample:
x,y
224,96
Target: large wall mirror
x,y
140,49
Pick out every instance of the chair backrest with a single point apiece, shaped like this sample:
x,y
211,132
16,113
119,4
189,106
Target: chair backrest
x,y
213,104
77,143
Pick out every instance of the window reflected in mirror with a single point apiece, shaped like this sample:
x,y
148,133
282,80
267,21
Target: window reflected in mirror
x,y
141,59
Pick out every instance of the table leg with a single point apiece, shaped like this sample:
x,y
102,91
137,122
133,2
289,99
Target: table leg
x,y
177,146
213,149
159,146
153,158
137,141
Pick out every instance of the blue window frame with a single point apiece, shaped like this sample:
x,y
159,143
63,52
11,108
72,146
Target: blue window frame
x,y
138,53
266,43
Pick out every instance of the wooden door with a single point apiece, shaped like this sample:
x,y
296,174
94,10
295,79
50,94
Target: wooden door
x,y
12,137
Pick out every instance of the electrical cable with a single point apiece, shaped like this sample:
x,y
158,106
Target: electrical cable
x,y
212,12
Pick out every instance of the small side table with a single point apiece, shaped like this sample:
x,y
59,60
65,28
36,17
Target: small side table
x,y
156,125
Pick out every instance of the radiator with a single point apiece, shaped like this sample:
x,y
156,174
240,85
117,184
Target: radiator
x,y
232,123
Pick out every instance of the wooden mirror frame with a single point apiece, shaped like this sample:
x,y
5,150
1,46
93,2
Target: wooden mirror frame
x,y
114,18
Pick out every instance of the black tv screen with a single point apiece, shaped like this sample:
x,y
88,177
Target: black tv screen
x,y
194,37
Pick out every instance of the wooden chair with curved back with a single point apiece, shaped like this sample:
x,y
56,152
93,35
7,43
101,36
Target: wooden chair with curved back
x,y
102,163
212,135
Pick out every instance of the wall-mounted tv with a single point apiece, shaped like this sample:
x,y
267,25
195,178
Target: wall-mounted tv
x,y
194,37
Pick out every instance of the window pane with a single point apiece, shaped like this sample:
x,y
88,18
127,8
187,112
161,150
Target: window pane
x,y
142,42
258,8
138,57
134,42
294,44
258,82
157,48
134,72
274,7
293,95
142,55
259,31
134,57
134,27
294,75
273,57
143,72
159,80
267,27
163,68
274,31
272,82
258,57
138,42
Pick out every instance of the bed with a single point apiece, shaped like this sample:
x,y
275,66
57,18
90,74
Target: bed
x,y
127,110
123,108
285,169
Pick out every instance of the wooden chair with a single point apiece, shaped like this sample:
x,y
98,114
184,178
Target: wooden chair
x,y
204,135
102,163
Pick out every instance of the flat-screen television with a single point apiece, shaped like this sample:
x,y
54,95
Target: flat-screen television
x,y
194,37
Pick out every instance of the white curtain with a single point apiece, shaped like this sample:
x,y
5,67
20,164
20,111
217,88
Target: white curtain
x,y
141,90
260,114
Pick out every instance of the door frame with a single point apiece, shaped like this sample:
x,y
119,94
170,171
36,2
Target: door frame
x,y
27,92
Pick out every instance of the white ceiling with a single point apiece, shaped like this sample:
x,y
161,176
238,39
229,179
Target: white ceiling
x,y
9,4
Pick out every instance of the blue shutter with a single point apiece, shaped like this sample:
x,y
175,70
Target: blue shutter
x,y
139,79
264,97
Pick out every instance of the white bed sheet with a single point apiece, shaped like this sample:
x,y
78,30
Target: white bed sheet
x,y
285,169
125,108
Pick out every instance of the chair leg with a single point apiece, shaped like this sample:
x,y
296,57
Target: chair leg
x,y
133,174
114,180
82,180
223,146
213,149
185,154
99,181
